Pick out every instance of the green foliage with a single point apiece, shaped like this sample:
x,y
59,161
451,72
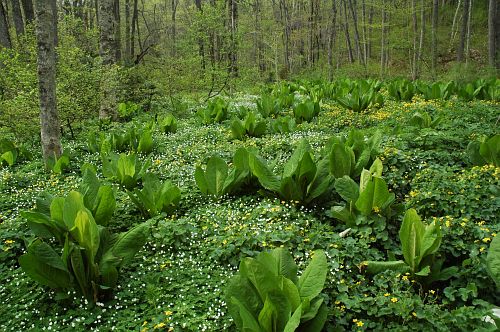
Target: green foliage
x,y
10,152
168,124
217,180
419,243
156,197
58,165
436,90
98,198
283,125
91,256
268,296
423,120
369,206
127,110
216,111
124,169
401,90
485,151
284,93
306,111
252,125
359,95
350,155
493,260
268,106
303,179
131,139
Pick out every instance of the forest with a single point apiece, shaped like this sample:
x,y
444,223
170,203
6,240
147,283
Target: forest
x,y
249,165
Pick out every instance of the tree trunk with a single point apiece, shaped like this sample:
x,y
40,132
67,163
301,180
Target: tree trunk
x,y
359,52
435,13
174,27
17,17
454,24
421,39
201,43
492,11
118,31
382,41
4,28
49,119
332,36
126,56
135,20
286,39
233,26
29,14
415,47
346,31
463,32
364,31
107,45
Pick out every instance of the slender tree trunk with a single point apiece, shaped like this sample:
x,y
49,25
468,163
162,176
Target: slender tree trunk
x,y
49,118
454,24
370,32
174,27
135,20
286,39
364,31
201,43
463,32
233,26
118,31
421,39
435,16
492,47
382,40
359,52
332,38
17,17
108,54
467,39
126,55
414,66
29,14
346,31
4,28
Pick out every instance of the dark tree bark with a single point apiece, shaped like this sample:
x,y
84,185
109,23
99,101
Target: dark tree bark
x,y
4,28
346,31
435,13
17,17
359,52
135,21
127,31
107,50
463,31
284,13
201,43
29,14
332,38
49,118
118,31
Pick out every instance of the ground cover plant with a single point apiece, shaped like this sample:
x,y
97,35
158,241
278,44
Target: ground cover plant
x,y
390,212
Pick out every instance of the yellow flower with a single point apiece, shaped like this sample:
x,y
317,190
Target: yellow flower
x,y
159,325
432,291
414,314
394,300
376,209
9,241
486,239
168,312
360,323
387,294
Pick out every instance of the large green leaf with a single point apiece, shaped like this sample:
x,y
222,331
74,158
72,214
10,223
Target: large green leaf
x,y
373,267
89,188
294,321
375,196
294,163
130,242
43,264
311,282
490,150
201,182
493,260
279,262
431,240
105,205
248,322
316,324
73,203
341,160
347,188
259,275
78,267
215,175
265,176
145,142
86,232
241,289
410,234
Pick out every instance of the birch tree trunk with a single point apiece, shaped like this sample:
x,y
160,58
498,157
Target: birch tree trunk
x,y
49,118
